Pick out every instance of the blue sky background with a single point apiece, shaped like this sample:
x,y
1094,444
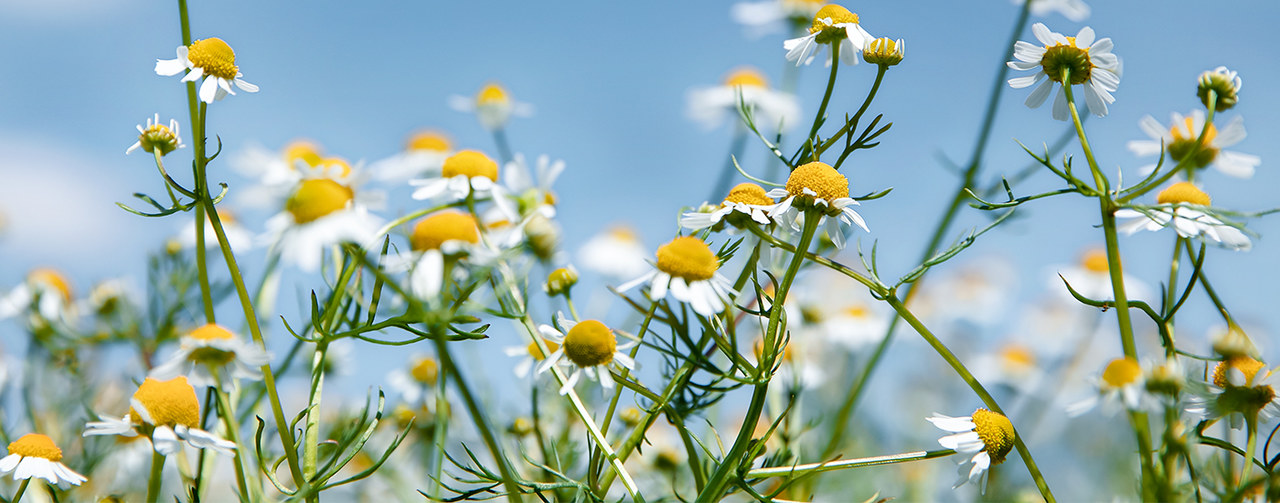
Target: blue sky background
x,y
608,81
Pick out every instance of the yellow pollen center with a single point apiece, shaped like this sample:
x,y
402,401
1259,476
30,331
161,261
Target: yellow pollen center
x,y
1018,356
746,77
316,198
1060,57
537,353
213,56
35,445
425,371
49,278
212,332
590,343
1183,192
1184,142
492,94
169,403
820,178
688,258
448,225
430,141
1246,365
1095,261
828,33
748,193
996,433
857,311
1190,131
471,164
302,150
1121,372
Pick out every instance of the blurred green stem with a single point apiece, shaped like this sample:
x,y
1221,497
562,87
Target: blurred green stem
x,y
157,476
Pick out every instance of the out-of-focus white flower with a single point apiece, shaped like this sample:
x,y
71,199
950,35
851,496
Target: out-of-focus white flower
x,y
1088,62
493,106
531,187
238,237
321,213
1179,141
747,87
1178,207
1091,278
46,292
212,59
616,253
211,355
1014,365
416,383
438,241
1122,384
422,157
768,16
1074,10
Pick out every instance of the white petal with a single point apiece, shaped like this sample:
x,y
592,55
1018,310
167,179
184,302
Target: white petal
x,y
209,90
1041,92
1061,110
165,440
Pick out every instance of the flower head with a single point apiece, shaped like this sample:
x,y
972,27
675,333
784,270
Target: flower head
x,y
590,346
157,136
423,155
988,434
447,234
1181,206
211,354
493,106
560,281
212,59
833,26
320,212
1067,61
35,455
46,292
743,87
1239,386
168,412
1225,85
884,51
816,190
746,203
688,269
767,16
465,172
1122,383
1182,142
617,252
415,382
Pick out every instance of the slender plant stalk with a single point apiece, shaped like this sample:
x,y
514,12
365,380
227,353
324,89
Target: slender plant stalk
x,y
22,489
157,476
844,464
826,98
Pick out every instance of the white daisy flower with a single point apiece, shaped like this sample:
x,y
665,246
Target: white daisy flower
x,y
1179,141
977,293
1089,62
989,436
320,213
1177,207
278,173
438,241
35,455
832,24
157,136
1122,384
616,253
746,203
1014,365
531,188
45,292
768,16
168,413
422,156
238,237
418,382
816,190
689,270
710,106
1240,386
1091,278
211,59
463,173
529,356
210,356
590,346
1074,10
492,105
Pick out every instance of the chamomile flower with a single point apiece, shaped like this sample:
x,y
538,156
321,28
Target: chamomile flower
x,y
418,381
1122,384
320,213
238,237
1013,364
885,51
616,253
1074,10
278,172
157,136
45,292
168,413
816,190
761,18
590,347
747,87
35,455
689,270
463,173
1178,141
423,155
493,106
1091,278
833,25
1225,85
212,59
531,187
1083,61
988,435
746,204
211,355
438,241
1179,206
1240,386
529,356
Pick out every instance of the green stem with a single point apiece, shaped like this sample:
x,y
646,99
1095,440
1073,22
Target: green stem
x,y
160,166
826,98
153,483
311,436
1208,289
22,488
233,433
1251,446
875,87
843,464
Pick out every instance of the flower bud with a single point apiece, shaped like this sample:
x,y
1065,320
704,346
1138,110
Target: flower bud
x,y
560,281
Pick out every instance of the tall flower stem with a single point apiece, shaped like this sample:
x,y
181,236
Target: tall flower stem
x,y
252,491
826,98
22,488
1251,446
157,476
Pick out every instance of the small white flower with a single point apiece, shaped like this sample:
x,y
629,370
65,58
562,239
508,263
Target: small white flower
x,y
832,24
616,253
320,213
988,435
529,356
417,383
238,237
45,292
746,203
35,455
1239,386
1121,385
816,190
423,156
1177,208
212,59
467,172
689,270
169,410
590,346
212,349
493,106
438,240
1179,141
770,109
1089,62
1091,278
157,136
531,188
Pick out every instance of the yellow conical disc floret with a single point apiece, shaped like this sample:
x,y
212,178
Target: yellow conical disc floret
x,y
827,32
590,343
169,403
537,353
448,225
1095,260
425,370
492,94
688,258
996,433
302,150
52,279
1121,372
471,164
1183,192
1184,142
748,193
430,141
212,331
35,445
746,77
213,56
1067,56
1247,366
820,178
884,51
316,198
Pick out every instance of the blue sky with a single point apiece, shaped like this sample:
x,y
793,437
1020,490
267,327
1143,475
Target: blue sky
x,y
608,81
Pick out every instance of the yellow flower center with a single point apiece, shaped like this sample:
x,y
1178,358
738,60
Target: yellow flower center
x,y
302,150
1067,56
431,141
425,370
590,343
827,31
471,164
746,77
748,193
213,56
561,280
820,178
1183,192
448,225
1016,355
212,331
211,355
883,51
1095,261
688,258
316,198
492,94
51,279
1121,372
169,403
996,433
35,445
1246,365
857,311
537,353
1184,143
